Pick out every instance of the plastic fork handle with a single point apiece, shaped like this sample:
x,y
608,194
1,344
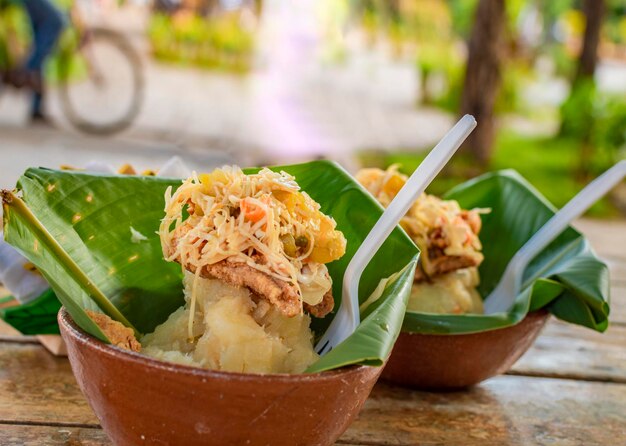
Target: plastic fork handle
x,y
572,210
348,317
399,206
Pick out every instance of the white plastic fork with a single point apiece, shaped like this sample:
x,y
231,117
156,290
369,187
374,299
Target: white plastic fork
x,y
503,296
348,318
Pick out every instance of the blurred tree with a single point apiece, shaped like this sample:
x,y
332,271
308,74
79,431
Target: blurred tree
x,y
594,13
430,25
483,76
577,117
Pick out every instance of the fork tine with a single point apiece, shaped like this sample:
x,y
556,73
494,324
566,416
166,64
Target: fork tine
x,y
322,350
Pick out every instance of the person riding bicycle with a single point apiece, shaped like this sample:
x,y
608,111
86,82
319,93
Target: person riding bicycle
x,y
47,22
82,70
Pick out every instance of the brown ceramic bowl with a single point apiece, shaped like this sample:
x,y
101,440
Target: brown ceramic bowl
x,y
424,361
139,400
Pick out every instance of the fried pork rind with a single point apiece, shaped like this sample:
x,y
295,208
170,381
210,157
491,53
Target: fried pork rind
x,y
279,293
258,231
118,334
446,234
442,264
323,308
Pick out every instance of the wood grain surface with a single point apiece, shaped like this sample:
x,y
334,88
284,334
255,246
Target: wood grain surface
x,y
35,435
36,387
568,351
506,410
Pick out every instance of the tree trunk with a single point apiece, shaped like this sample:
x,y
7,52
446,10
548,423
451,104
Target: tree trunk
x,y
483,77
584,80
594,13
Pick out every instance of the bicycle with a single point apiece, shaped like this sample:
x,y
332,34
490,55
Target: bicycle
x,y
97,72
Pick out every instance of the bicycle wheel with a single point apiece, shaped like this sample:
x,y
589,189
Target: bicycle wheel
x,y
101,85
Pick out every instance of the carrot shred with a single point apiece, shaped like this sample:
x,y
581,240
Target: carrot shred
x,y
252,211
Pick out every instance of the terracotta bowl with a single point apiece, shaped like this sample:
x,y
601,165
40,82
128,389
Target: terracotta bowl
x,y
139,400
423,361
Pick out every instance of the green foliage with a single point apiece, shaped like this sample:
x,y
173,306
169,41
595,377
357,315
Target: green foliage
x,y
516,75
553,9
577,111
450,100
564,61
610,126
16,40
513,10
216,43
83,247
5,56
598,119
463,12
14,35
422,23
441,58
566,277
615,23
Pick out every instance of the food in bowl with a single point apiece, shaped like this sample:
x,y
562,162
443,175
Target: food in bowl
x,y
451,293
253,249
211,407
447,235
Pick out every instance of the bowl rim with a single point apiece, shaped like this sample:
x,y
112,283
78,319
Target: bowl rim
x,y
540,313
67,324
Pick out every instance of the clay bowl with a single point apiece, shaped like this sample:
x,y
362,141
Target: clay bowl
x,y
139,400
448,362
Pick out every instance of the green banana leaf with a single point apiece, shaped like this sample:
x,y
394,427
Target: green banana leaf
x,y
36,317
76,228
566,278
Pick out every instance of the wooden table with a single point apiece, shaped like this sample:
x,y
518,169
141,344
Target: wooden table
x,y
569,389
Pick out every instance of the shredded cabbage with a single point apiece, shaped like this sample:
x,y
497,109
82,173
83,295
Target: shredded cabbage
x,y
263,220
457,229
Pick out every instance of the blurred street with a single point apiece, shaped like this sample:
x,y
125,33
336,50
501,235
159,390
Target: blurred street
x,y
188,110
22,147
209,118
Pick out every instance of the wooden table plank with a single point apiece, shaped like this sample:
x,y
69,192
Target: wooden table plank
x,y
617,269
569,351
507,410
38,387
608,237
29,435
513,409
7,331
618,304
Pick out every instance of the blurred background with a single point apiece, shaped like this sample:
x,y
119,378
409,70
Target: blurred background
x,y
363,82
